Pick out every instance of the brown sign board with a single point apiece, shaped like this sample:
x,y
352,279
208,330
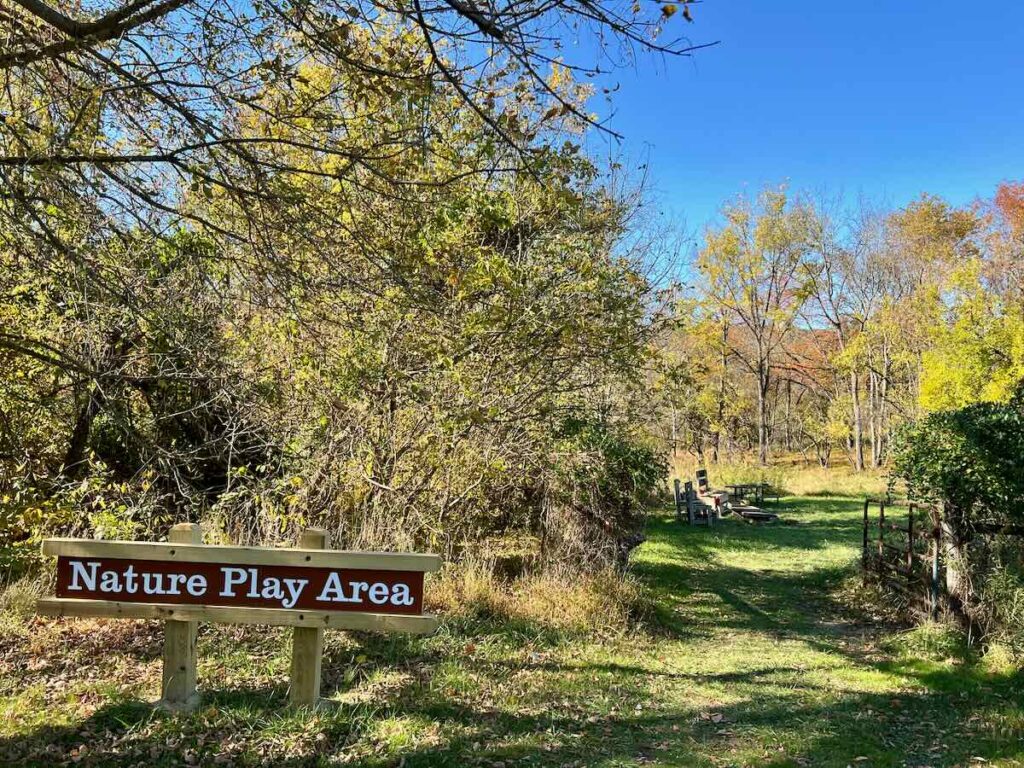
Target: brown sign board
x,y
248,586
294,587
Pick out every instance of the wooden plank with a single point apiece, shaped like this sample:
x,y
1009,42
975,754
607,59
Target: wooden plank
x,y
759,517
189,553
178,690
910,541
897,503
933,576
881,528
307,643
368,622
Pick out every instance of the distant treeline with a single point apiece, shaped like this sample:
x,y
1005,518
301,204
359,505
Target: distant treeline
x,y
816,328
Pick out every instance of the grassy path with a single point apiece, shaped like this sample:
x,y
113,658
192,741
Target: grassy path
x,y
797,678
751,662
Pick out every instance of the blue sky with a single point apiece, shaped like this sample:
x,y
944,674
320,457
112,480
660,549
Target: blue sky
x,y
885,100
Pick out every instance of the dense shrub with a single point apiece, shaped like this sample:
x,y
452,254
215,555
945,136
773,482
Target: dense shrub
x,y
479,383
604,476
970,461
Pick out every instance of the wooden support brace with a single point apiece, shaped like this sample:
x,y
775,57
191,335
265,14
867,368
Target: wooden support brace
x,y
936,519
179,678
307,643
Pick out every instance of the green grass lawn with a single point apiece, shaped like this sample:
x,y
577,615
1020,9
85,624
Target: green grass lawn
x,y
751,659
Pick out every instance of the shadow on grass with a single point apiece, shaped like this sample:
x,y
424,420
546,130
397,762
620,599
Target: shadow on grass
x,y
706,580
954,715
806,524
936,714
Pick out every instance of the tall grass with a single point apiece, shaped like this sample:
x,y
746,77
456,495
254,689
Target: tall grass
x,y
789,477
600,602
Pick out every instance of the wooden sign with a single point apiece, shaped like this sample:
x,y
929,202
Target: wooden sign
x,y
249,586
183,581
295,587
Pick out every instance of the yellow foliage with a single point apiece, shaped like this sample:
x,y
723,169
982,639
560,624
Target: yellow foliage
x,y
979,355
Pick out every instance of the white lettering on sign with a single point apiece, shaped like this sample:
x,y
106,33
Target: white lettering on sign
x,y
130,586
335,591
196,585
287,591
294,587
232,578
78,570
233,582
400,595
88,577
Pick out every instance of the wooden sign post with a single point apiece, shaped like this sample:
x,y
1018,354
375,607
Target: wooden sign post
x,y
310,588
307,643
180,655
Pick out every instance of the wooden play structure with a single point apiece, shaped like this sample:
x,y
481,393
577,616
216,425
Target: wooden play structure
x,y
906,548
901,547
705,506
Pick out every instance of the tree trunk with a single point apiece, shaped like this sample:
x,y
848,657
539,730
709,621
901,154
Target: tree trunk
x,y
674,440
762,413
74,457
883,402
873,423
716,437
858,425
789,410
958,581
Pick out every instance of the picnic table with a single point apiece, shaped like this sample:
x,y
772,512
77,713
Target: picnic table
x,y
755,491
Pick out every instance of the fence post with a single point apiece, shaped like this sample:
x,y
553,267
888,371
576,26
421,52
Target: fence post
x,y
179,678
910,546
679,509
307,642
864,547
881,535
936,546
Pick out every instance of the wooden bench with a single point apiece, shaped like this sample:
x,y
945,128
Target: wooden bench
x,y
759,492
697,509
704,506
717,499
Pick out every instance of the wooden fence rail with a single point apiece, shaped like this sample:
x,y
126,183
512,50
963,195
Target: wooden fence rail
x,y
909,557
908,560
